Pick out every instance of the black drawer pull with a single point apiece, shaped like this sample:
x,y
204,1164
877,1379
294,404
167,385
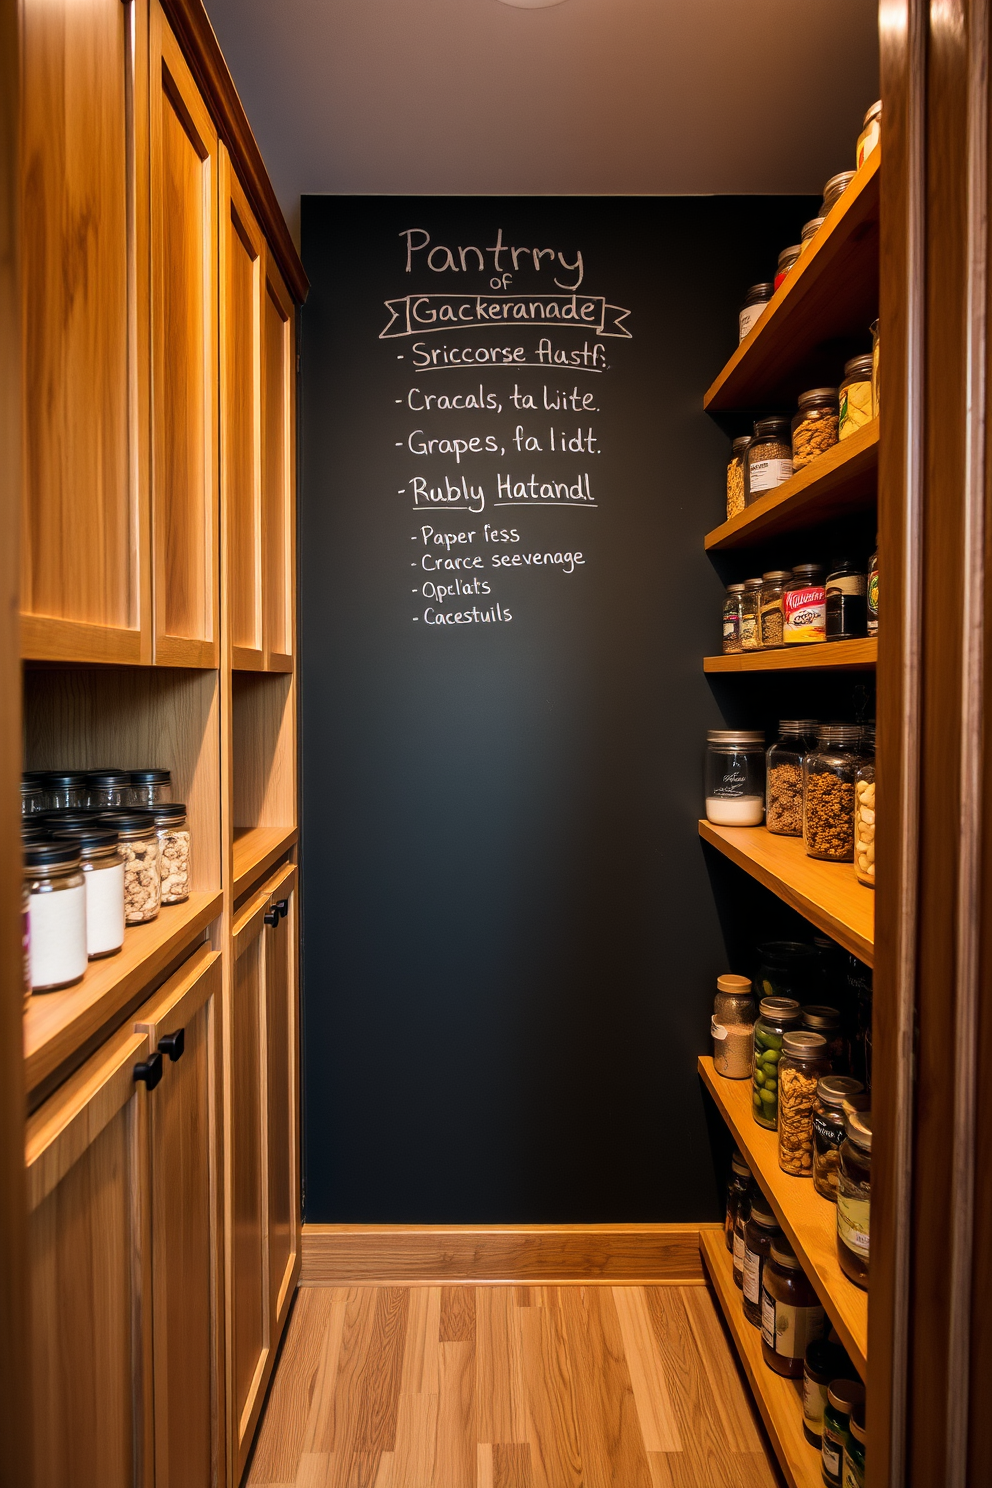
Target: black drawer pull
x,y
282,905
173,1044
271,918
150,1070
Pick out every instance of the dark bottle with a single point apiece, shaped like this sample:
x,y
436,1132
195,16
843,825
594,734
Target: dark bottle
x,y
847,601
740,1182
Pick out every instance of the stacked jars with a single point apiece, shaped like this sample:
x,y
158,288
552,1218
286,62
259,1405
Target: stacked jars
x,y
784,776
828,793
777,1016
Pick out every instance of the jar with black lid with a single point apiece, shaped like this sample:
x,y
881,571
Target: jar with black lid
x,y
818,1018
784,776
760,1230
64,790
107,790
828,793
843,1397
855,396
732,619
56,914
32,798
174,849
755,301
142,871
740,1181
750,615
777,1015
770,607
854,1197
768,461
791,1315
150,788
787,261
814,427
829,1130
103,869
825,1361
847,603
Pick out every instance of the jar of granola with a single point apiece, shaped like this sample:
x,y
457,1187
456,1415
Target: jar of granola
x,y
814,427
784,776
804,1060
828,793
735,476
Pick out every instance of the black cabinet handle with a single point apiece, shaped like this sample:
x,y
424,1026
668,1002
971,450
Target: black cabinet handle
x,y
173,1044
271,918
282,905
150,1070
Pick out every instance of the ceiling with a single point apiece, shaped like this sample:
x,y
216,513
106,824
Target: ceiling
x,y
586,97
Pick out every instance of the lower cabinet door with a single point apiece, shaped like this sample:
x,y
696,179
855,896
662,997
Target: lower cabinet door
x,y
282,1103
88,1181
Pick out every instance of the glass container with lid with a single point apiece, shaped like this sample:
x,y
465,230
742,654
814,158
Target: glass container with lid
x,y
107,789
854,1197
735,476
829,1130
855,396
755,301
843,1398
873,591
770,607
142,873
791,1315
787,261
768,460
804,606
64,789
864,812
856,1451
870,134
103,866
732,1026
750,614
32,798
834,190
846,590
739,1185
150,788
809,232
760,1230
826,1360
788,968
777,1015
57,914
814,427
804,1060
784,776
174,846
732,619
828,793
735,777
818,1018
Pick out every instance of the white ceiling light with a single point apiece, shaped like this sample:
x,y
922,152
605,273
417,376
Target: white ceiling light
x,y
531,4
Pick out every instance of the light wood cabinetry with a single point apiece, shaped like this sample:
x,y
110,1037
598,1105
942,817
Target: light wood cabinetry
x,y
282,1092
278,470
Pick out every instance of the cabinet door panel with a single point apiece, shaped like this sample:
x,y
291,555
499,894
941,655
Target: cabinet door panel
x,y
278,473
281,1064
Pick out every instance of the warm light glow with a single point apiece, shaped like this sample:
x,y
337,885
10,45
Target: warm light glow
x,y
531,4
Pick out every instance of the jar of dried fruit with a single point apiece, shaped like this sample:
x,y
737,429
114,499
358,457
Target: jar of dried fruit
x,y
828,793
768,462
864,812
855,396
828,1129
784,776
735,476
814,427
804,1060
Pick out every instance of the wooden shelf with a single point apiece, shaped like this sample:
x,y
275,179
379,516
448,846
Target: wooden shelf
x,y
56,1024
827,894
838,655
809,1221
843,480
831,296
257,848
779,1400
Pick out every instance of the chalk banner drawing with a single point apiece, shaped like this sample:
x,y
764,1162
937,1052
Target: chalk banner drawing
x,y
413,315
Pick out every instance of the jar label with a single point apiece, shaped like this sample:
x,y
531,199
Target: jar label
x,y
873,596
765,475
750,316
717,1029
738,1253
788,1329
804,615
814,1404
753,1267
832,1455
852,1222
827,1133
848,584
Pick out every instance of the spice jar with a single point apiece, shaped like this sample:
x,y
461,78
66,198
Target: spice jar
x,y
770,607
788,968
874,368
755,301
735,777
791,1316
759,1232
142,873
56,914
750,615
872,597
829,1130
825,1361
814,427
856,1451
854,1197
817,1018
32,798
842,1398
735,476
784,776
732,1026
864,812
768,460
740,1182
732,619
777,1016
103,869
173,841
107,790
809,232
828,793
847,606
804,1060
150,788
855,396
834,190
804,606
64,790
870,134
787,260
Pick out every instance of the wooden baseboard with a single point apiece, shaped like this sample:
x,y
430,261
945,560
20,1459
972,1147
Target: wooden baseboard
x,y
543,1255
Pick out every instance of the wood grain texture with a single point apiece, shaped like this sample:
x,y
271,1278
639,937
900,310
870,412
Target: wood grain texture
x,y
836,655
256,849
559,1391
282,1096
827,894
279,471
264,750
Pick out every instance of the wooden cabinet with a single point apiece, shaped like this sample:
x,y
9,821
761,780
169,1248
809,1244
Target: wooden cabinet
x,y
278,471
282,1093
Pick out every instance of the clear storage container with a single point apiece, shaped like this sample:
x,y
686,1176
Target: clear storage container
x,y
107,790
64,790
784,776
750,615
854,1197
768,461
737,1188
819,1018
735,777
814,427
829,1130
828,793
732,619
56,915
732,1026
150,788
855,396
804,1060
142,872
32,798
864,813
770,607
777,1016
174,850
735,476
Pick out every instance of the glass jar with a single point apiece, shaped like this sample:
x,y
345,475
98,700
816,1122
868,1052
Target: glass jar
x,y
814,427
173,841
787,261
829,1130
854,1197
872,597
32,798
834,190
768,460
825,1361
64,790
828,793
804,1060
809,232
874,368
755,301
855,396
142,872
788,968
856,1451
777,1015
103,868
804,606
150,788
791,1315
864,814
843,1396
732,619
871,132
818,1018
847,605
741,1218
735,476
740,1181
750,607
107,790
735,777
784,776
770,607
732,1026
759,1232
56,915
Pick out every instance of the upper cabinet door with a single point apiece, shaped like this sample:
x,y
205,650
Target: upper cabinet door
x,y
183,191
279,472
241,261
84,580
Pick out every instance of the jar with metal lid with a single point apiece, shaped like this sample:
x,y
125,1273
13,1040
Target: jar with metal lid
x,y
103,868
804,1060
776,1017
788,968
834,190
755,301
750,612
872,596
32,798
174,841
64,790
791,1315
735,777
740,1182
732,1026
732,619
56,914
871,133
874,368
829,1130
735,476
770,607
814,427
843,1396
760,1230
142,873
847,604
150,788
804,606
864,812
854,1197
107,790
825,1361
809,232
855,396
856,1452
768,460
787,261
828,793
784,776
818,1018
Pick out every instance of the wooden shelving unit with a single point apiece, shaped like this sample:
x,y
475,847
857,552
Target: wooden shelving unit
x,y
255,850
808,1220
838,655
779,1400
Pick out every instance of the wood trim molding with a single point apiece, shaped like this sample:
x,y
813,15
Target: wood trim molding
x,y
538,1255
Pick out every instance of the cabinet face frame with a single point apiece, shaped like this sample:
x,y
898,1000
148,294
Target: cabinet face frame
x,y
279,471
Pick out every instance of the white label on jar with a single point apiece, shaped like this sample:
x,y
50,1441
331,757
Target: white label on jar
x,y
58,936
750,316
852,1222
104,909
753,1266
765,475
717,1029
738,1253
814,1404
831,1453
767,1319
793,1328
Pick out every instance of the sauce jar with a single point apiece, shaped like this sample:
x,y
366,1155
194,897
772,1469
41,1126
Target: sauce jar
x,y
787,261
847,604
834,190
804,606
755,301
854,1197
735,777
777,1016
843,1396
784,776
814,427
732,1027
855,396
174,846
825,1361
871,132
142,874
56,914
732,619
872,596
150,788
829,1130
759,1232
770,607
791,1315
804,1060
735,476
740,1182
103,869
828,793
750,613
768,461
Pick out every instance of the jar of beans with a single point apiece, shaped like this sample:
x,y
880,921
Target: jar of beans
x,y
777,1016
814,427
804,1060
828,793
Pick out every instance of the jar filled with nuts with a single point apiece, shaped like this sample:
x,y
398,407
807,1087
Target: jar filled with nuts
x,y
855,396
814,427
732,619
829,1130
173,840
770,607
864,813
142,874
768,461
784,776
804,1060
828,793
735,476
778,1015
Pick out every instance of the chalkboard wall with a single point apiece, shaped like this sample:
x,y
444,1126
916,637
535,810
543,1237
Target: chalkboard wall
x,y
510,936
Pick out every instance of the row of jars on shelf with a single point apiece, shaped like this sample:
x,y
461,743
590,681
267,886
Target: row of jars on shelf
x,y
105,789
802,606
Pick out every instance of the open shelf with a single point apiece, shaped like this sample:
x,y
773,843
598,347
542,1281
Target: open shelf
x,y
842,481
829,298
843,655
826,894
257,848
808,1220
779,1400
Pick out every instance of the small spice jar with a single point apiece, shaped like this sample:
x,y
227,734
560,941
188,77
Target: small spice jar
x,y
64,790
142,873
768,460
804,1060
32,798
750,615
814,427
735,777
107,790
784,776
828,793
864,812
770,607
854,1197
755,301
825,1361
843,1396
809,232
829,1130
56,914
855,396
787,261
872,597
732,1026
150,788
847,605
804,606
818,1018
732,619
856,1451
759,1232
791,1315
870,134
735,476
874,368
173,840
834,190
740,1182
777,1016
103,868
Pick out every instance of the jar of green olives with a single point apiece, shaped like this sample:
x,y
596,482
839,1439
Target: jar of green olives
x,y
778,1016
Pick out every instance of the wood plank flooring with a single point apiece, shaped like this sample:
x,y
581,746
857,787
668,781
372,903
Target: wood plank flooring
x,y
508,1387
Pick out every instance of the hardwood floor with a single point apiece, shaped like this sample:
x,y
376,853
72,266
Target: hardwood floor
x,y
508,1387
